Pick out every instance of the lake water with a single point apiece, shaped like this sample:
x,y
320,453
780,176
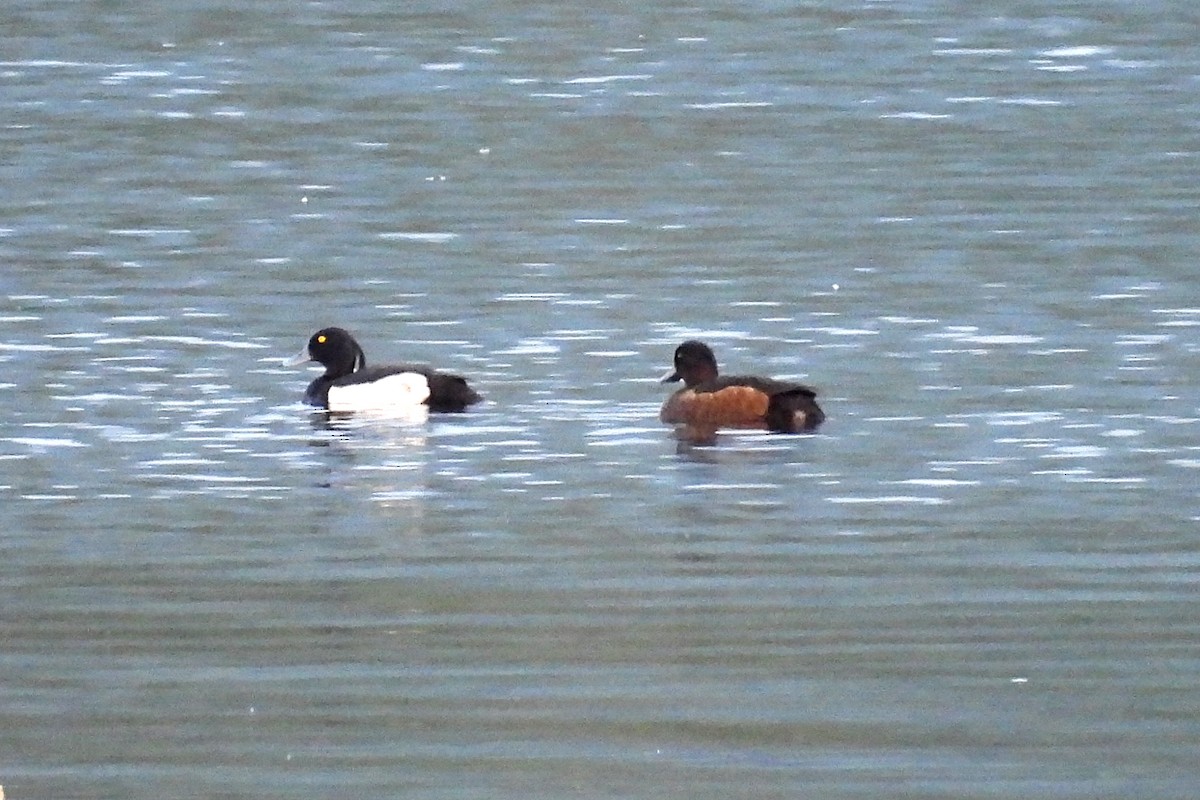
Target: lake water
x,y
973,228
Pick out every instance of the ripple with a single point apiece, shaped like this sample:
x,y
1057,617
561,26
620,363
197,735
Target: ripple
x,y
1023,418
1078,51
729,105
41,442
916,115
935,482
19,347
901,499
428,237
1077,451
600,79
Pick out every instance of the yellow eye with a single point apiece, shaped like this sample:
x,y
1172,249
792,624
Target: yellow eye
x,y
320,340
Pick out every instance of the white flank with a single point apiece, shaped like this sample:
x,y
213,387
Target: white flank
x,y
402,395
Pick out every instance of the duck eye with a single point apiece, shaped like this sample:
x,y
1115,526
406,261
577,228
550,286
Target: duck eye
x,y
321,339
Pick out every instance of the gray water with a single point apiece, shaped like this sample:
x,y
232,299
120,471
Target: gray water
x,y
973,227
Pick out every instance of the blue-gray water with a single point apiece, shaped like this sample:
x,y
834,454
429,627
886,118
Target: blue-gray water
x,y
973,227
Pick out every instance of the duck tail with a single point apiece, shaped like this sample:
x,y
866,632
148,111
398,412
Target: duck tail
x,y
794,412
450,393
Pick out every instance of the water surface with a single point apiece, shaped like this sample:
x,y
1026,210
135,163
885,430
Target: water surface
x,y
972,230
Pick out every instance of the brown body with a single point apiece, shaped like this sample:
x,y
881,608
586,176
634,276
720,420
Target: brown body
x,y
731,407
709,401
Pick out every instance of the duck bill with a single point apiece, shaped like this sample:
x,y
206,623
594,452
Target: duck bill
x,y
671,377
297,359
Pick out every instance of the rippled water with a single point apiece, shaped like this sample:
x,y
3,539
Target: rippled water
x,y
973,229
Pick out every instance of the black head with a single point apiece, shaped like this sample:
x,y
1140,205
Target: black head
x,y
694,364
336,350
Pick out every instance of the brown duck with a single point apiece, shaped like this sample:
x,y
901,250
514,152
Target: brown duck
x,y
709,401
